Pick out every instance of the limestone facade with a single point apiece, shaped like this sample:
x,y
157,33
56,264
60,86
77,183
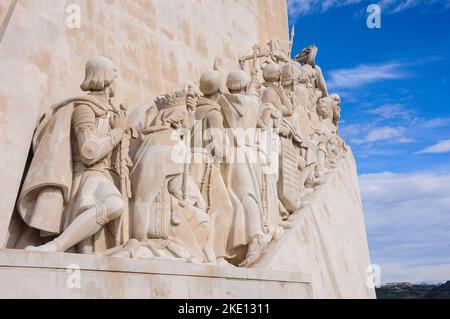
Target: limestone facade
x,y
101,173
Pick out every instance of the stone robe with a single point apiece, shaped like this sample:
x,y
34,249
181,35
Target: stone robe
x,y
242,170
227,221
58,186
167,219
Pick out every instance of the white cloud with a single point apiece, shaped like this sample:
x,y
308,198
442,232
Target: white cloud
x,y
392,111
304,7
361,134
385,133
408,217
433,123
397,6
394,272
364,74
439,148
392,124
328,4
406,5
300,7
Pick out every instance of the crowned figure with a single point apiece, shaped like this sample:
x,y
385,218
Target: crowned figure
x,y
168,212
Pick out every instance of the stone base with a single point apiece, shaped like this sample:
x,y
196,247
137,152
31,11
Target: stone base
x,y
49,275
328,239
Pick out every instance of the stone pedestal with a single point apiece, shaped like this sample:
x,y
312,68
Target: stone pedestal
x,y
49,275
324,255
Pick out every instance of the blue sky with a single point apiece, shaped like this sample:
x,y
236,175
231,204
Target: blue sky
x,y
394,82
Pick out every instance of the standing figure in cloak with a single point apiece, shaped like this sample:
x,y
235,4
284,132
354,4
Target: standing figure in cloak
x,y
301,123
287,180
242,170
318,137
71,190
314,94
168,213
274,105
209,143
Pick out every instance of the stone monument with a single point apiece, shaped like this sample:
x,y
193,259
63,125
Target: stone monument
x,y
201,161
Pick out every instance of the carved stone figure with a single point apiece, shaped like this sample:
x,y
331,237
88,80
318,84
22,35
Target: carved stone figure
x,y
328,130
329,112
318,137
325,110
242,170
314,94
273,92
71,190
300,121
336,106
275,104
209,143
209,176
289,186
168,211
308,57
336,110
217,170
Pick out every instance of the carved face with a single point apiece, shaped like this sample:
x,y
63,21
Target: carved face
x,y
175,117
337,110
324,108
113,89
336,106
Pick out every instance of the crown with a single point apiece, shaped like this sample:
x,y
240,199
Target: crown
x,y
167,101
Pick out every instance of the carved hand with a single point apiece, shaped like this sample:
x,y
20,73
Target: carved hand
x,y
285,132
120,121
191,102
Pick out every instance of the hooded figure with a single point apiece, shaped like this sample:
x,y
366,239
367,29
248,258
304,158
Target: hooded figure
x,y
242,170
208,149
